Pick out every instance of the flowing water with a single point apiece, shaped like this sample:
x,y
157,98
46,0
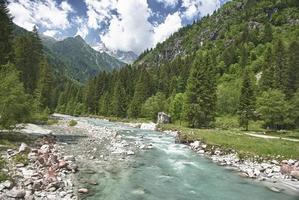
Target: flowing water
x,y
169,171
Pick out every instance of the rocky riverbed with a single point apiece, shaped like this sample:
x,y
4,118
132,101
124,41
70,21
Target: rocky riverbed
x,y
102,160
44,174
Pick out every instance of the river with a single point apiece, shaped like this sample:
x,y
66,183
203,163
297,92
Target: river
x,y
166,171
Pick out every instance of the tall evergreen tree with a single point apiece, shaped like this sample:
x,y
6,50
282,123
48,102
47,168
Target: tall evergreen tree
x,y
14,103
45,86
268,35
5,34
280,66
247,101
293,69
118,104
28,55
267,81
201,93
244,56
143,90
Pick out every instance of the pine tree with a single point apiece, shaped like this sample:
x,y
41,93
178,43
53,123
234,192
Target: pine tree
x,y
28,55
45,86
200,100
143,90
14,103
118,104
6,28
293,69
280,66
266,81
244,56
247,101
268,35
104,104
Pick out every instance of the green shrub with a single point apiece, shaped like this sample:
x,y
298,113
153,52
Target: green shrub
x,y
21,158
73,123
227,122
52,121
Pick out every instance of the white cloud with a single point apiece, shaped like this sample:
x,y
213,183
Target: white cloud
x,y
196,8
99,11
130,30
169,3
171,24
51,33
46,13
82,28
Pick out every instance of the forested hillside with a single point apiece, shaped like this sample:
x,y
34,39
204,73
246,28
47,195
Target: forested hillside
x,y
30,85
73,57
241,61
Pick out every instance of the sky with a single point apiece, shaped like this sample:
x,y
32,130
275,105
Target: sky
x,y
126,25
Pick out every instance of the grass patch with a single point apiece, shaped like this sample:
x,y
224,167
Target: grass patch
x,y
52,121
73,123
243,144
21,158
3,176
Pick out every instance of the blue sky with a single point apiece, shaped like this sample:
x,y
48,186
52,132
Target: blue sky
x,y
127,25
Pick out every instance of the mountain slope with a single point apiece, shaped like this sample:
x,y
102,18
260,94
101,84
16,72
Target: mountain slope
x,y
73,57
225,27
83,61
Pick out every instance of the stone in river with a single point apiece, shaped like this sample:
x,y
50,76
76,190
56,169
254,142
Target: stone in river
x,y
69,158
23,147
275,189
83,190
295,174
7,184
201,151
16,193
130,153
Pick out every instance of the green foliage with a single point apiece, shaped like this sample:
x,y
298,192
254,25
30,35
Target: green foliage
x,y
21,158
153,105
45,84
73,123
28,55
141,93
227,122
119,101
5,34
247,101
14,103
176,107
293,69
200,99
52,121
228,94
293,112
273,108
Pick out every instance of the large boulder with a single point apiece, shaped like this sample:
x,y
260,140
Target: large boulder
x,y
163,118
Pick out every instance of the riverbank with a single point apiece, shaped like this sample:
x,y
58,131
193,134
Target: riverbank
x,y
36,169
270,161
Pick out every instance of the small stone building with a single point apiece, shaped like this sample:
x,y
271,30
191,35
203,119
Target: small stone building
x,y
163,118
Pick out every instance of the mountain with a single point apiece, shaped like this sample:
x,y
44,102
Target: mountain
x,y
83,61
73,57
125,56
225,27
